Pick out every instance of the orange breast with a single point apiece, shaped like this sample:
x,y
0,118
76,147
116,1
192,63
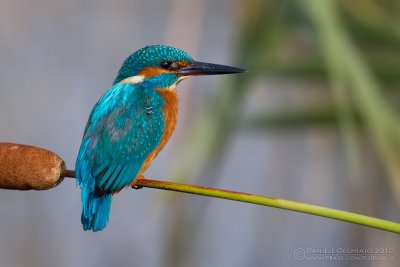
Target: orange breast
x,y
170,112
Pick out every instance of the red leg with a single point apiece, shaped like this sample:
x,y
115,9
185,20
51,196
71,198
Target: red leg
x,y
133,184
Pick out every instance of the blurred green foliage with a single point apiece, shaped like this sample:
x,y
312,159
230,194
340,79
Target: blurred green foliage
x,y
350,47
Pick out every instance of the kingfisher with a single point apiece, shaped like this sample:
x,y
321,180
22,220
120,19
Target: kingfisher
x,y
130,125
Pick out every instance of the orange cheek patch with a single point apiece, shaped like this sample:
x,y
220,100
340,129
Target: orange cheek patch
x,y
151,72
182,64
155,71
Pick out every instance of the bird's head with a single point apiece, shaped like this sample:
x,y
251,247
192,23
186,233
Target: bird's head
x,y
164,66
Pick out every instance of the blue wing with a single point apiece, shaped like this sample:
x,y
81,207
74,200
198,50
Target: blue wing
x,y
124,127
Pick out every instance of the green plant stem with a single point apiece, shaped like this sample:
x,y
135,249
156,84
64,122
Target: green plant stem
x,y
266,201
274,202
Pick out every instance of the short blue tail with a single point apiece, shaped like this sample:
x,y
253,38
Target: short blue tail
x,y
95,210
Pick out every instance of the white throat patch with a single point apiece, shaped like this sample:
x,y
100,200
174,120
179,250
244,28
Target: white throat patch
x,y
132,80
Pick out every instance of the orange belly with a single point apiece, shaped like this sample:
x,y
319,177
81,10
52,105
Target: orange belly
x,y
170,112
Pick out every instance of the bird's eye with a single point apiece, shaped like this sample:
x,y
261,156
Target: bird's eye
x,y
165,64
169,65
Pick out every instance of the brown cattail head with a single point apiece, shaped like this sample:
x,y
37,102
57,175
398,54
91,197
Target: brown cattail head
x,y
25,167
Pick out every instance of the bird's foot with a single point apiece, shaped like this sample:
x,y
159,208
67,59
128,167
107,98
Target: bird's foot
x,y
133,184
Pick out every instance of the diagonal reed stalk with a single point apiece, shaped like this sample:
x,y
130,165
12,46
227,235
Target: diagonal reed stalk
x,y
268,201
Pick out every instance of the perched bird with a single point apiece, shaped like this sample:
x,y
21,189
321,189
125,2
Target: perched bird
x,y
130,124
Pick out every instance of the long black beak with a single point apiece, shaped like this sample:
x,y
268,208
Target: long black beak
x,y
202,68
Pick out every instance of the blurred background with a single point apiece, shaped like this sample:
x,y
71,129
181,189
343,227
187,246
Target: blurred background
x,y
315,120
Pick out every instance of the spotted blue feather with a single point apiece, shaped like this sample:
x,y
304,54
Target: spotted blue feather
x,y
118,138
